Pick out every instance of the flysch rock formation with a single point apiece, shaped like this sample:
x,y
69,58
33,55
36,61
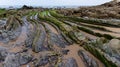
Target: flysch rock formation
x,y
40,37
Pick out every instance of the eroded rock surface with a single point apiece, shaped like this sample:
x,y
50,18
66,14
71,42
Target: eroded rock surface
x,y
45,38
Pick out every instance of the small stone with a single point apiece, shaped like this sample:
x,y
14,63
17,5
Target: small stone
x,y
10,33
4,35
65,51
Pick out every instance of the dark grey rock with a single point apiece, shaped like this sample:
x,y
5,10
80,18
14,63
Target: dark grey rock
x,y
56,40
61,64
4,35
71,62
15,60
45,59
10,33
5,40
40,43
89,62
42,61
11,61
3,53
24,58
65,51
2,23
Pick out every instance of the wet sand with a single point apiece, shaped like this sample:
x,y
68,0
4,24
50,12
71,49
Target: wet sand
x,y
73,53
